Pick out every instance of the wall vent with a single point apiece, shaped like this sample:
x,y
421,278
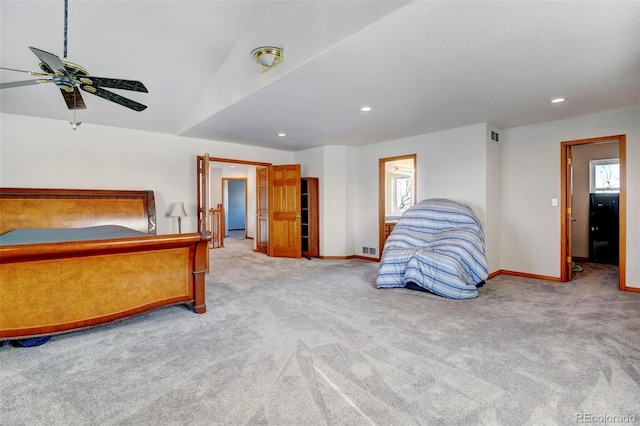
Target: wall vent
x,y
495,136
365,250
372,250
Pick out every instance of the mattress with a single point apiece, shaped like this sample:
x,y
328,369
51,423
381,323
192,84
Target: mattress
x,y
57,235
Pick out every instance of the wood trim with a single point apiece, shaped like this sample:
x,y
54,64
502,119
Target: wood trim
x,y
523,275
381,193
337,257
564,194
544,277
246,162
622,221
622,149
353,256
381,200
493,274
371,259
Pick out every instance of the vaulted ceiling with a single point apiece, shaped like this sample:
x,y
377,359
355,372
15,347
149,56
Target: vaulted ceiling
x,y
422,66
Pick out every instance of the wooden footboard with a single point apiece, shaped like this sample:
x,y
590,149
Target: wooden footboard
x,y
58,287
51,288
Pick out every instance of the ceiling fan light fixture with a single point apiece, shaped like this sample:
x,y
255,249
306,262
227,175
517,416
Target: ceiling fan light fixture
x,y
267,56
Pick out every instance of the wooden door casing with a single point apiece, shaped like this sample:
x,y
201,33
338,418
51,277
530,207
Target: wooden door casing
x,y
262,207
203,198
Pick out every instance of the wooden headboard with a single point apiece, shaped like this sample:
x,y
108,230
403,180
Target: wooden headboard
x,y
76,208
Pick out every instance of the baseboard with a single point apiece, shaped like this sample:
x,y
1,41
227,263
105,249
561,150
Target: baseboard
x,y
631,289
524,275
353,256
494,274
371,259
579,259
336,257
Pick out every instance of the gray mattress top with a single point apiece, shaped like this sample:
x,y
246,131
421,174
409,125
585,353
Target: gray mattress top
x,y
57,235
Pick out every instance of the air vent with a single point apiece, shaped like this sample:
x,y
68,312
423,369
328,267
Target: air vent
x,y
495,136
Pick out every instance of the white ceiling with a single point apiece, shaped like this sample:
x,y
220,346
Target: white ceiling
x,y
423,66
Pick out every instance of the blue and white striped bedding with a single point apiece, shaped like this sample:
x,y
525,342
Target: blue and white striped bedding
x,y
437,244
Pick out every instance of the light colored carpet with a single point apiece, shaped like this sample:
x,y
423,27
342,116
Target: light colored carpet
x,y
312,342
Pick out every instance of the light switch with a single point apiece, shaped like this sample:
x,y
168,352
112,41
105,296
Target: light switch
x,y
554,202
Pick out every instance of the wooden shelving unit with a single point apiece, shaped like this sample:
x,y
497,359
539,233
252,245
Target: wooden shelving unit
x,y
310,217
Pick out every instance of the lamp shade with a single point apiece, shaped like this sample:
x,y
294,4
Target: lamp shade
x,y
266,59
178,210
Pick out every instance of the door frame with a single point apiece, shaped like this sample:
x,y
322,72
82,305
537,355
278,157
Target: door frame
x,y
565,216
236,161
227,179
382,192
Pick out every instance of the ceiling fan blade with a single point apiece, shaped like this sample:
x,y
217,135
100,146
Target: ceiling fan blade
x,y
114,83
38,74
73,98
51,60
113,97
23,83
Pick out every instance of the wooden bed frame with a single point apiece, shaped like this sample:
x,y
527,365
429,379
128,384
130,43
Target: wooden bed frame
x,y
53,288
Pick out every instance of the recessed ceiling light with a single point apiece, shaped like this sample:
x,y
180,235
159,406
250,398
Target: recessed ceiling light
x,y
282,134
557,100
366,109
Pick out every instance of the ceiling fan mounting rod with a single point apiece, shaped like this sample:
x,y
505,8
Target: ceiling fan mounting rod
x,y
66,14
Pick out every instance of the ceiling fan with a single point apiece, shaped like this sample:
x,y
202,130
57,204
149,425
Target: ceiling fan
x,y
70,77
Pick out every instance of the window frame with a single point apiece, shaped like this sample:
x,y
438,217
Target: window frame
x,y
593,166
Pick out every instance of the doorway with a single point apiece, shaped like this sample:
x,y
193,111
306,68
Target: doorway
x,y
276,231
568,210
397,192
234,203
233,169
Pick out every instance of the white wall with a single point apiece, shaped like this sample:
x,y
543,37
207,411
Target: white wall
x,y
450,164
332,166
457,163
44,153
530,158
493,203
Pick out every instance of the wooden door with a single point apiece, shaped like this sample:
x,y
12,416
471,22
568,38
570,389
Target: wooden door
x,y
262,219
203,198
569,218
284,211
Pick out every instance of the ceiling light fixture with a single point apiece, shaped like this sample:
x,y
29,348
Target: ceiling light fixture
x,y
282,134
267,56
366,109
557,100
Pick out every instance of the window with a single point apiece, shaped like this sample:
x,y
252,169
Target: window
x,y
604,175
402,189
